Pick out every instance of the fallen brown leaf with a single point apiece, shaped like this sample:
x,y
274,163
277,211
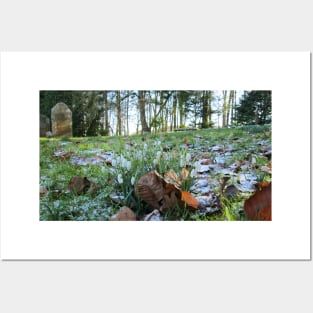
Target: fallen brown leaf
x,y
184,174
150,189
79,184
124,214
191,202
259,206
231,192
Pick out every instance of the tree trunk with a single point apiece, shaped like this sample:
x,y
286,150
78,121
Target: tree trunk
x,y
224,111
210,108
127,114
233,105
142,111
229,104
205,109
106,114
181,109
119,113
174,110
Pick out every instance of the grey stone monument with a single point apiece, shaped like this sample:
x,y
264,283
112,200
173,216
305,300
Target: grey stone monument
x,y
61,119
44,125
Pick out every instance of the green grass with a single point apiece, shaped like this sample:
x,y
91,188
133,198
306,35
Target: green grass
x,y
134,156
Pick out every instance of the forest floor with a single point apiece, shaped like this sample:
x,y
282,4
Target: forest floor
x,y
95,178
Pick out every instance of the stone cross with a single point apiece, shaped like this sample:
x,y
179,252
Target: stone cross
x,y
61,119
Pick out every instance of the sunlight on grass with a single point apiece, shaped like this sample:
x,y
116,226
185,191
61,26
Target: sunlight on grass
x,y
120,161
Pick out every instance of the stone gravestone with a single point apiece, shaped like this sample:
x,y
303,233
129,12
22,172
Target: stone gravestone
x,y
44,125
61,119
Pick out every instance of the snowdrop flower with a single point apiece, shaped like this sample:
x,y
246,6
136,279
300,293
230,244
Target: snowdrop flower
x,y
155,162
193,173
182,162
158,154
114,162
145,146
128,165
197,165
124,162
132,181
120,179
188,157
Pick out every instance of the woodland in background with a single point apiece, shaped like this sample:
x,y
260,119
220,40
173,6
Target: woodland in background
x,y
112,112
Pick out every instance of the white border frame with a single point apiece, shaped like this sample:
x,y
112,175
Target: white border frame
x,y
23,74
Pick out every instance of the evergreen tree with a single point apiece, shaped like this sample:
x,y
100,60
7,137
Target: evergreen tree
x,y
255,108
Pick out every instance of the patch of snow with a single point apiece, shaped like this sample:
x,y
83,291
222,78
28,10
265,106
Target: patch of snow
x,y
203,168
59,152
154,216
206,202
217,148
226,171
211,209
201,183
220,159
92,151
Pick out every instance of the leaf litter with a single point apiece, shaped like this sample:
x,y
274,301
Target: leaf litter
x,y
235,159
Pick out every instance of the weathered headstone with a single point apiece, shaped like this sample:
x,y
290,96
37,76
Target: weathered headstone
x,y
44,125
61,119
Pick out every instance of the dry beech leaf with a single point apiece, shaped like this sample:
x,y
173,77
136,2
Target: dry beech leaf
x,y
262,184
124,214
172,178
150,189
164,193
62,155
171,184
206,162
259,206
79,184
190,200
184,174
93,188
169,201
66,156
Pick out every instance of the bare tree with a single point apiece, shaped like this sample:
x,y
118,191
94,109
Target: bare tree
x,y
142,111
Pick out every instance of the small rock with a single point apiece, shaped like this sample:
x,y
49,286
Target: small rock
x,y
124,214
